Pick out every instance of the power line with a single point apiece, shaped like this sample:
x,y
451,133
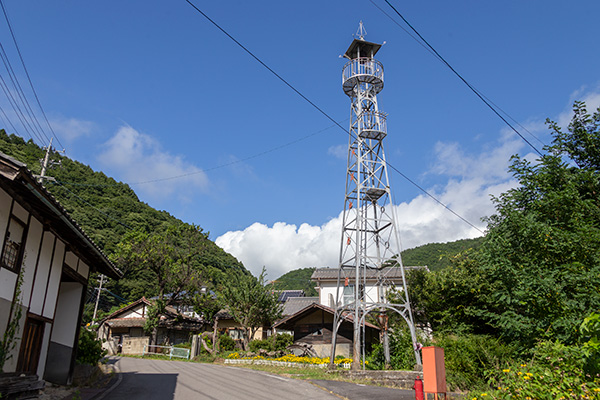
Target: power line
x,y
21,95
463,79
101,212
27,73
256,155
323,112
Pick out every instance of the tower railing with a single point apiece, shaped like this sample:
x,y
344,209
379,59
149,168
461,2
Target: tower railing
x,y
362,70
372,124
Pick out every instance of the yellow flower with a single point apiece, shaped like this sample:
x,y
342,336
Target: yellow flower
x,y
526,377
523,365
483,394
529,374
506,370
519,373
596,389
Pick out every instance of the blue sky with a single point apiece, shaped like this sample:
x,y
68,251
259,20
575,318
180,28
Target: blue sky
x,y
150,90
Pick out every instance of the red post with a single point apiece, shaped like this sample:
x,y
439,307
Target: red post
x,y
418,389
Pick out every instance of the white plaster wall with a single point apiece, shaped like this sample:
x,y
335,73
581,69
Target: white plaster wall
x,y
11,363
44,350
54,282
20,212
32,248
371,293
71,260
67,313
8,280
5,201
83,269
41,278
137,312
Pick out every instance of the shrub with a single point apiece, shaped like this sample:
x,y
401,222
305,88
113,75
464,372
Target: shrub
x,y
257,345
402,356
468,357
555,372
282,341
89,348
226,343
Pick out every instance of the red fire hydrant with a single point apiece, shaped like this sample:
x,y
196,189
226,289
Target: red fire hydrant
x,y
418,387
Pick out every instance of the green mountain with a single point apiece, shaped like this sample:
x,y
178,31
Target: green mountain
x,y
298,279
438,255
435,255
107,210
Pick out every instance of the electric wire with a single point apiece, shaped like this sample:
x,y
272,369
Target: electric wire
x,y
27,73
464,81
15,106
21,95
327,115
203,170
11,124
100,211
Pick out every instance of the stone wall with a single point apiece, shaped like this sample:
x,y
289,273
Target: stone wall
x,y
401,379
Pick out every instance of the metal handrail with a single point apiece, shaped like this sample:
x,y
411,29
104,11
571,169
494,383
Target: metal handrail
x,y
362,69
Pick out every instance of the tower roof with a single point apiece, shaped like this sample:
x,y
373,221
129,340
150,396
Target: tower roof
x,y
362,47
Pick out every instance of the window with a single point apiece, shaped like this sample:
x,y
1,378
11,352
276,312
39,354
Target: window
x,y
348,294
11,251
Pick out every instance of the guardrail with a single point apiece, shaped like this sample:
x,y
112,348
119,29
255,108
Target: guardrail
x,y
170,351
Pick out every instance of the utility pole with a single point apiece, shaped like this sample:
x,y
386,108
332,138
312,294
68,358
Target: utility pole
x,y
97,299
47,163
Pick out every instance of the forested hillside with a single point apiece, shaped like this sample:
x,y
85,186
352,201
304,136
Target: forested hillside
x,y
436,256
108,211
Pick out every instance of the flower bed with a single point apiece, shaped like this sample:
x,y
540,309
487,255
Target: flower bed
x,y
288,360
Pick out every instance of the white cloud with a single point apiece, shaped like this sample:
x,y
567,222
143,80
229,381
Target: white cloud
x,y
340,151
472,179
70,129
591,99
136,157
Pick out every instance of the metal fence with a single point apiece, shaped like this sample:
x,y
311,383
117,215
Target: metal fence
x,y
169,351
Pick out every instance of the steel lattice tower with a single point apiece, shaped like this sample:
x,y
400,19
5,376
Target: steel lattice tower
x,y
370,241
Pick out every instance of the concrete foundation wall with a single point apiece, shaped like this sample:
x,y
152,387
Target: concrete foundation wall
x,y
58,363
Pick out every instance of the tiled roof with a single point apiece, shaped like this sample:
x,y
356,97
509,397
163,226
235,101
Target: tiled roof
x,y
126,322
40,200
388,272
295,304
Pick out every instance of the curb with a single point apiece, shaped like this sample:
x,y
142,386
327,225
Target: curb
x,y
103,394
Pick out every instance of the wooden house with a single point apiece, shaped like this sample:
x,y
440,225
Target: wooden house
x,y
122,332
313,325
46,261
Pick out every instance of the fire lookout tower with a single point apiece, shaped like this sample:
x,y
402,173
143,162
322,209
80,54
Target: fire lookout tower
x,y
370,243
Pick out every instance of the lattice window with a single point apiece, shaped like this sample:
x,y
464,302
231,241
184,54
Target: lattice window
x,y
11,253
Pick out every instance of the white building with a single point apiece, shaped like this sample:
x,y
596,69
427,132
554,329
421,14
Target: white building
x,y
326,285
43,248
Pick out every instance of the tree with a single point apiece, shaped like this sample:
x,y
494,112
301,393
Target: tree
x,y
208,305
250,303
537,272
170,262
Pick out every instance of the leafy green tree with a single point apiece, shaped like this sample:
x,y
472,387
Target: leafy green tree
x,y
169,259
537,272
208,306
251,303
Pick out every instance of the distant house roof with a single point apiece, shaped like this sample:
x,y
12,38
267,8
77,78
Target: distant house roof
x,y
21,184
330,274
289,322
170,314
287,294
295,304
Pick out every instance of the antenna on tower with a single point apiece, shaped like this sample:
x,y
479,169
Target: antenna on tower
x,y
361,32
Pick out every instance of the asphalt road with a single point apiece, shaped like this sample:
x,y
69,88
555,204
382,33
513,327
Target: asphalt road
x,y
156,379
146,379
